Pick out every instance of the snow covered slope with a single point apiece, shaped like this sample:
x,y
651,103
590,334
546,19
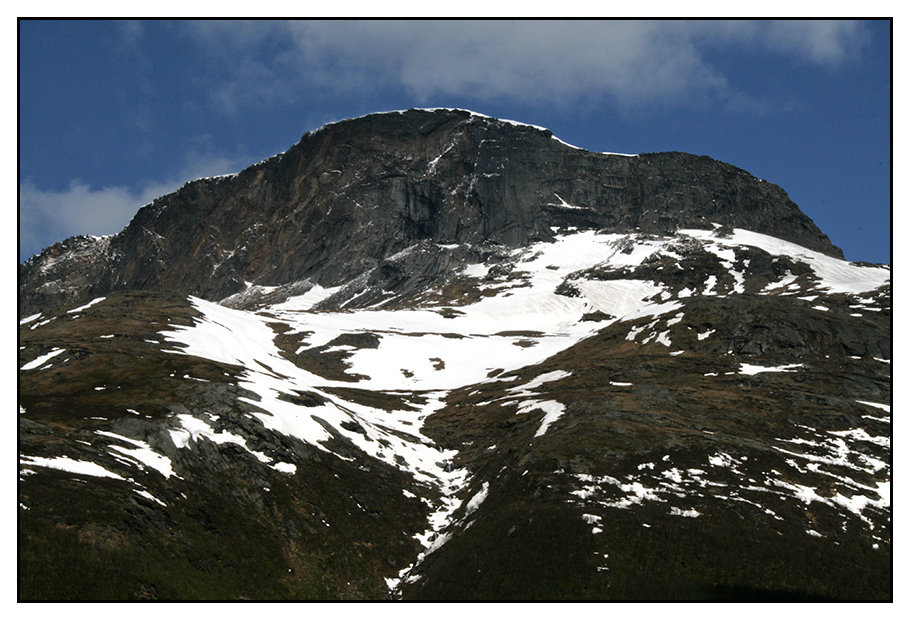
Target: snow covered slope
x,y
642,381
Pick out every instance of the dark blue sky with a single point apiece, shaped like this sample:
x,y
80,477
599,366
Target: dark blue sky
x,y
114,114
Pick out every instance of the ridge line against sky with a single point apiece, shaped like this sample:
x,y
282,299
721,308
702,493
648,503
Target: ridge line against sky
x,y
116,113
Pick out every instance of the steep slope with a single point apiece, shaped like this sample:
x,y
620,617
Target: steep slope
x,y
378,184
580,412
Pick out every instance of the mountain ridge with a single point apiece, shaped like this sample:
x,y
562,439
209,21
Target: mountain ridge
x,y
511,392
443,175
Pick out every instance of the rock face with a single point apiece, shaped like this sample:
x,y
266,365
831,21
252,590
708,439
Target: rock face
x,y
432,355
356,192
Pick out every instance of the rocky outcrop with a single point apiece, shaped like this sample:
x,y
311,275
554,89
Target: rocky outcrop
x,y
377,185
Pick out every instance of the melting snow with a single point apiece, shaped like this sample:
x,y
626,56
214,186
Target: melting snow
x,y
64,463
41,360
836,275
148,495
704,335
142,453
523,308
876,405
193,428
29,319
475,502
309,299
754,369
88,305
684,513
553,411
538,381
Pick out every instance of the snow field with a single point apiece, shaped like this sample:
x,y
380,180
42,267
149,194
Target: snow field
x,y
416,350
420,350
414,341
836,275
754,369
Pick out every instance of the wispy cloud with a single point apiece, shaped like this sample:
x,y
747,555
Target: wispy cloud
x,y
130,33
77,210
81,209
254,66
545,62
829,43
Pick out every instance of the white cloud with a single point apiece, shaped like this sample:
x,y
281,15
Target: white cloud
x,y
258,64
829,43
48,216
131,32
538,61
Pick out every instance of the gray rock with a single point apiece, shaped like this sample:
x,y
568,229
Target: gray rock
x,y
346,198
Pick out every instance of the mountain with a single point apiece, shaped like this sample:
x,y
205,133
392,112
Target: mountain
x,y
354,193
435,355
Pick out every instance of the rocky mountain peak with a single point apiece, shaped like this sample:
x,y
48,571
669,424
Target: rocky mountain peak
x,y
357,191
434,355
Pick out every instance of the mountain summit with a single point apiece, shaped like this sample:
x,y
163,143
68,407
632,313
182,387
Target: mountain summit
x,y
435,355
355,192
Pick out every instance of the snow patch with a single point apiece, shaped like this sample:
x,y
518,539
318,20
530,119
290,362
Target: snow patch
x,y
475,502
41,360
29,319
64,463
553,411
753,369
142,453
88,305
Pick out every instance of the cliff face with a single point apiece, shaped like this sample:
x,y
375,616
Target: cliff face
x,y
356,192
